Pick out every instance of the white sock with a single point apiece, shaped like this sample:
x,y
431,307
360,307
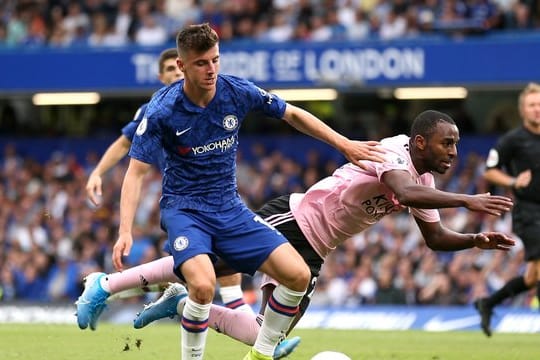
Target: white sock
x,y
278,316
233,298
180,306
194,329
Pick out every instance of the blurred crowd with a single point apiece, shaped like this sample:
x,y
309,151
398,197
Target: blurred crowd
x,y
50,236
106,23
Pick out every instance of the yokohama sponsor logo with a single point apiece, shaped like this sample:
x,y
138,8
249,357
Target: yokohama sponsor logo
x,y
220,145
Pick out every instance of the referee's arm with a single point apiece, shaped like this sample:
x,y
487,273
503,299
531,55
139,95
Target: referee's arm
x,y
499,177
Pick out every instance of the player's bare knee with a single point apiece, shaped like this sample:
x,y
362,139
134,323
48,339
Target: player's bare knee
x,y
299,278
202,293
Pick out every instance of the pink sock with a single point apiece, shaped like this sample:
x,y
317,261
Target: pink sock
x,y
154,272
239,325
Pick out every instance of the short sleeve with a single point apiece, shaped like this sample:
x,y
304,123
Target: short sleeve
x,y
147,140
130,128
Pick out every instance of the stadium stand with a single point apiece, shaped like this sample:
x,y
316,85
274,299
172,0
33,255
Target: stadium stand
x,y
154,22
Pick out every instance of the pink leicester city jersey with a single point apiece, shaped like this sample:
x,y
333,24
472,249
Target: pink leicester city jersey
x,y
352,199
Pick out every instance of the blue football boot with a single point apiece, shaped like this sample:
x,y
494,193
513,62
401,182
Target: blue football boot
x,y
165,306
286,347
92,301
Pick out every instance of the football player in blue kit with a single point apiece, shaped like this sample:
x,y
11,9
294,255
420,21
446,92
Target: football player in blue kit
x,y
168,72
195,122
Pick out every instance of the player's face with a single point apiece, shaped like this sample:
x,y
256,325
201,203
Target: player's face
x,y
441,147
530,111
171,72
201,69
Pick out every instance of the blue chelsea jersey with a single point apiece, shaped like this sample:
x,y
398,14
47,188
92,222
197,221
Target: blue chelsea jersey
x,y
200,144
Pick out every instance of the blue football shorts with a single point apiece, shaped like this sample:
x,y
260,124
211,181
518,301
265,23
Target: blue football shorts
x,y
238,236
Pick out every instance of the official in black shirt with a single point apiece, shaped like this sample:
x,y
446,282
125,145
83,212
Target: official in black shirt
x,y
515,163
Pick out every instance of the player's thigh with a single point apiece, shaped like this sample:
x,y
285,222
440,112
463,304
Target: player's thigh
x,y
186,237
287,267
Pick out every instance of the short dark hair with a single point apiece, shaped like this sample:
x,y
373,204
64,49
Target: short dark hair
x,y
165,55
425,123
200,38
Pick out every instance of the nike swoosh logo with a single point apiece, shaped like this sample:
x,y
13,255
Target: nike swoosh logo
x,y
178,133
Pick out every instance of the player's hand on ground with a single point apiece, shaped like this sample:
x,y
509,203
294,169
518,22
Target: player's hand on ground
x,y
493,240
355,151
490,204
122,247
93,189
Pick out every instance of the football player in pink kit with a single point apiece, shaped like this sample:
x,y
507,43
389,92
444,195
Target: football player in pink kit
x,y
353,199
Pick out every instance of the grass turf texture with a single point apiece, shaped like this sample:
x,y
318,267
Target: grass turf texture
x,y
67,342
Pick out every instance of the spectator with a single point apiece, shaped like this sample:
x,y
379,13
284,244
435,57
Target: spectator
x,y
75,21
485,13
386,292
320,29
7,284
281,29
393,26
360,29
102,33
3,34
169,23
520,18
150,33
338,30
123,19
17,26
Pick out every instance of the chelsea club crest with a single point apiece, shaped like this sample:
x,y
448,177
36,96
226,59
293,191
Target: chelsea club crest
x,y
180,243
230,122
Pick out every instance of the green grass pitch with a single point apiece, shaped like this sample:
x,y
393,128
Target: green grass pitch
x,y
161,341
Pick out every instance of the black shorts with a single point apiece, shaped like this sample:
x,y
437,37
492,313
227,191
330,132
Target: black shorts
x,y
277,213
526,225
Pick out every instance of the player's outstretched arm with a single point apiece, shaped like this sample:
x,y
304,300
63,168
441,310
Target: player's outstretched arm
x,y
440,238
129,200
116,151
353,150
419,196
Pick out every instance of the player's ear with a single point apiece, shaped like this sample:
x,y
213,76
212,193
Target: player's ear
x,y
420,142
180,64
